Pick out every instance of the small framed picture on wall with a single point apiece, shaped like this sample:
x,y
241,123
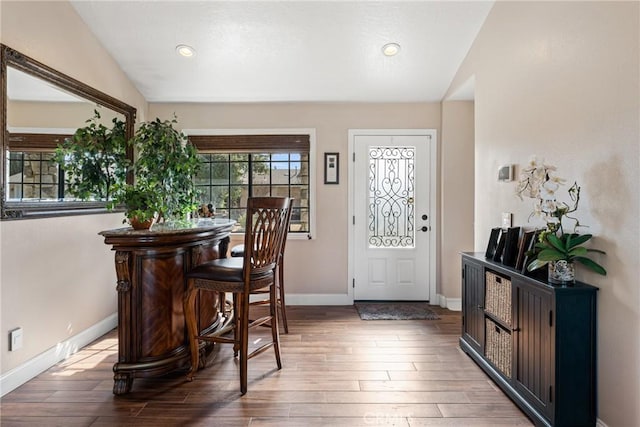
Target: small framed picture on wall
x,y
331,168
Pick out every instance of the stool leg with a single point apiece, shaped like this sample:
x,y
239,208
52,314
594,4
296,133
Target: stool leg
x,y
275,336
236,326
244,340
192,327
283,309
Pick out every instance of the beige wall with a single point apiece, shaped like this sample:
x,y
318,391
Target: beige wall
x,y
457,198
56,276
561,80
317,266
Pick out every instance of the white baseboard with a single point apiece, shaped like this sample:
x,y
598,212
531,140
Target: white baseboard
x,y
28,370
319,299
453,304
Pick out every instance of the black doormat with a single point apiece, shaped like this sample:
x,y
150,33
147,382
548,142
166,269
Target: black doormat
x,y
395,311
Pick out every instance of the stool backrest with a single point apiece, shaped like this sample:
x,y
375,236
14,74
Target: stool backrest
x,y
266,227
286,230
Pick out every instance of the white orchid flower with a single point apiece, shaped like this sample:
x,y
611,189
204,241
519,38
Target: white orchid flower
x,y
538,181
537,210
549,206
549,189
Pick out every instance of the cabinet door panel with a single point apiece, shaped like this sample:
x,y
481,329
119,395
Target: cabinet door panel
x,y
473,304
160,292
533,346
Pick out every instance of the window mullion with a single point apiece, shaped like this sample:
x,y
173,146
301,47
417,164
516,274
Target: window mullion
x,y
61,174
39,177
229,182
289,177
250,177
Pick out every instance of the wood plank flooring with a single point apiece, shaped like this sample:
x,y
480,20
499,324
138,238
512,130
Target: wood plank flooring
x,y
337,371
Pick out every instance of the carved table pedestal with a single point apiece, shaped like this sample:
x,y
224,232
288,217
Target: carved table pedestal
x,y
150,269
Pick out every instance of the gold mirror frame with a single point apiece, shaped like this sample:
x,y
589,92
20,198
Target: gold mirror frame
x,y
21,62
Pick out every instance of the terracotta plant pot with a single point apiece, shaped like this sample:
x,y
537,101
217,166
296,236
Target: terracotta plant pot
x,y
140,225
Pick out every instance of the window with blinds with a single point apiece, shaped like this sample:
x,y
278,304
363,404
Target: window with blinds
x,y
236,167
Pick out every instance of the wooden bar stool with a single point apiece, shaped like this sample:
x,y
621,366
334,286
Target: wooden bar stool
x,y
238,252
266,226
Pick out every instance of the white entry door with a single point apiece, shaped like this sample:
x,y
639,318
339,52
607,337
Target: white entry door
x,y
392,217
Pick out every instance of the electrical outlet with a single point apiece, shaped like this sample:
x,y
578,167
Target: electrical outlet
x,y
15,339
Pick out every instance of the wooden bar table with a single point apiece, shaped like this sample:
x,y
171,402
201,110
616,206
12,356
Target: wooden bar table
x,y
150,269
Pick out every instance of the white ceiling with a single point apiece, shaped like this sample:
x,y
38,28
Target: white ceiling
x,y
281,51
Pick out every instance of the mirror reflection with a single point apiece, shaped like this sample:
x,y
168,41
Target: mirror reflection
x,y
42,108
39,116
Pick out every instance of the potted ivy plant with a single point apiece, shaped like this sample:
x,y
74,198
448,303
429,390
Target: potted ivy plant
x,y
141,204
166,164
95,159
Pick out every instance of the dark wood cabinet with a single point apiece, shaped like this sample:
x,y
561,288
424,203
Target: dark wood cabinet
x,y
473,304
150,269
533,345
537,341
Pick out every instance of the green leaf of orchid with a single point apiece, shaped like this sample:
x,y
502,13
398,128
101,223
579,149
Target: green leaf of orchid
x,y
535,264
577,240
551,255
579,251
556,242
543,245
597,251
592,265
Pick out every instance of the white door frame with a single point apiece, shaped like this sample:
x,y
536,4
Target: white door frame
x,y
433,298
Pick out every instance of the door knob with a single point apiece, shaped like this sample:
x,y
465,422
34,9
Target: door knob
x,y
425,217
424,228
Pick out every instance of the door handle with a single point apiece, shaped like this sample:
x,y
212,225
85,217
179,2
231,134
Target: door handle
x,y
424,228
425,217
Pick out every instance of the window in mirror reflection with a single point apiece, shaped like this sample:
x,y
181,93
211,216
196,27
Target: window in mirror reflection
x,y
33,176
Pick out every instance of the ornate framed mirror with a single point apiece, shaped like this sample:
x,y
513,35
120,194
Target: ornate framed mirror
x,y
40,108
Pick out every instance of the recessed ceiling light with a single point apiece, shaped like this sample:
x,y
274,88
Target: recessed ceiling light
x,y
390,49
185,50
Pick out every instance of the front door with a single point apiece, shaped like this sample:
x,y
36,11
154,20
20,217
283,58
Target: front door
x,y
392,216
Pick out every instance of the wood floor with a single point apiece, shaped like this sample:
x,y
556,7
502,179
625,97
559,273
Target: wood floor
x,y
337,371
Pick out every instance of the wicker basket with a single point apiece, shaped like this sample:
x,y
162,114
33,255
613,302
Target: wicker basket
x,y
498,347
498,297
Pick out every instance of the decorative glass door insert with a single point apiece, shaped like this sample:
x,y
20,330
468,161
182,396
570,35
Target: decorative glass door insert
x,y
391,196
